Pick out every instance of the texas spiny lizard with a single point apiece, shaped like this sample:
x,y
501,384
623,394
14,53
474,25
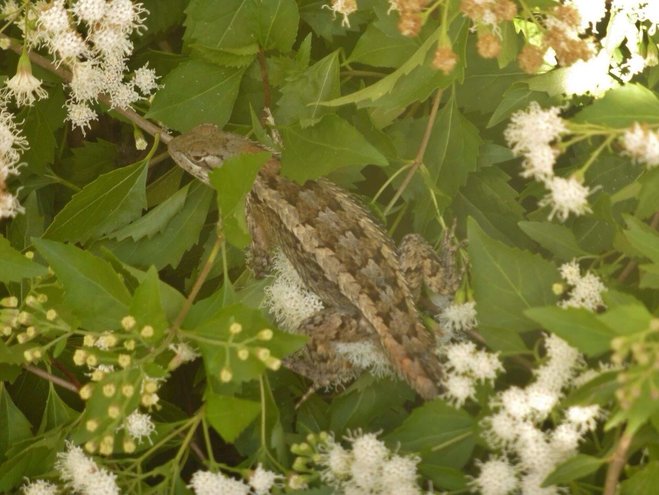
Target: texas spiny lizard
x,y
341,254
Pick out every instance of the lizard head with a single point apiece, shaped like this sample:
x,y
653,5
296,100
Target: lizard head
x,y
204,148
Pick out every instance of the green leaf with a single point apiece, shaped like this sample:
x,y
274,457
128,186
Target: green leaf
x,y
648,199
621,107
301,96
578,327
42,120
439,433
576,467
232,181
453,149
109,202
627,319
488,198
387,83
642,238
556,238
331,144
56,413
180,234
229,416
89,161
156,220
376,402
275,23
507,281
196,92
222,24
93,290
14,427
14,266
146,306
642,482
382,45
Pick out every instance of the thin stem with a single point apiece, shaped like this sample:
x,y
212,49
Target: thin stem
x,y
51,378
617,463
418,160
203,274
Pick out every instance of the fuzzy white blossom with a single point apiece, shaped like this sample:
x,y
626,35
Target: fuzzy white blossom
x,y
207,483
83,475
139,426
12,144
287,298
641,144
23,86
497,476
458,318
368,467
566,196
262,481
586,291
39,487
184,353
465,366
516,428
530,134
366,356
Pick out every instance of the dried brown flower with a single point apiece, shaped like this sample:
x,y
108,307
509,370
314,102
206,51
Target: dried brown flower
x,y
504,10
488,45
445,59
530,58
409,23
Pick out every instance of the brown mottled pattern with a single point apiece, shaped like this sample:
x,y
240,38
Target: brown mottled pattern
x,y
338,250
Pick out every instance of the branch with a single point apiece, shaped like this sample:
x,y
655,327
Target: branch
x,y
51,378
617,463
418,160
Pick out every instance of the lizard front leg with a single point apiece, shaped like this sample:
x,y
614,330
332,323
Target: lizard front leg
x,y
259,251
421,265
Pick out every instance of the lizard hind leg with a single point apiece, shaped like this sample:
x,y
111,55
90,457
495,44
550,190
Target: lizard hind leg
x,y
319,360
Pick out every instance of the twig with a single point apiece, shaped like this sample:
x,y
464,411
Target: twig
x,y
51,378
267,98
617,463
72,378
198,283
654,223
130,114
418,160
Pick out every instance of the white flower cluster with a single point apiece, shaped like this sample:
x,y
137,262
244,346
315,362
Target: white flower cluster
x,y
514,428
531,134
367,356
260,482
92,37
458,318
368,467
12,144
466,366
83,475
586,291
287,298
641,144
139,426
39,487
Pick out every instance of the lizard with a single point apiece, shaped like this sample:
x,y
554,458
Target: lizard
x,y
342,254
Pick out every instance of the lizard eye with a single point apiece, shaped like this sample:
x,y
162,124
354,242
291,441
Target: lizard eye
x,y
210,161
